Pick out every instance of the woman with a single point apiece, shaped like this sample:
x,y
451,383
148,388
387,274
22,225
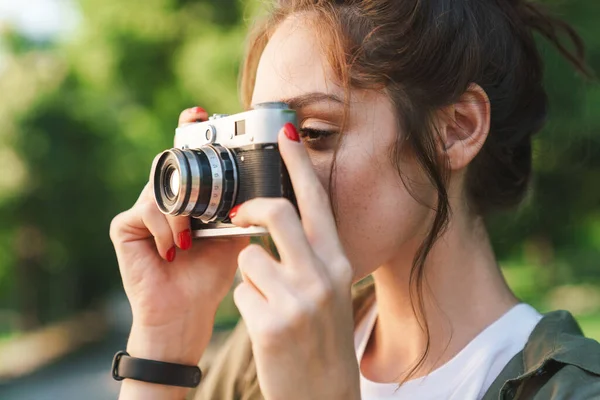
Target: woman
x,y
416,120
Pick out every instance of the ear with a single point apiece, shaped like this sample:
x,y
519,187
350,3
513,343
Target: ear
x,y
465,126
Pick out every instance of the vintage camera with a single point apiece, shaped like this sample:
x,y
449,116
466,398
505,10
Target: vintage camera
x,y
218,164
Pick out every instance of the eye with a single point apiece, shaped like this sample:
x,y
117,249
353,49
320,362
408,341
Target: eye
x,y
315,137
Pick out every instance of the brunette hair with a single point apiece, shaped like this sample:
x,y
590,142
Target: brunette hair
x,y
424,55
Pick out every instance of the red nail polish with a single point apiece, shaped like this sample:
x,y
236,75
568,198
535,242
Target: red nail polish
x,y
185,239
291,132
198,110
171,254
234,211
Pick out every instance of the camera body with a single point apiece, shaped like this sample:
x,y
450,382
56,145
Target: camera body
x,y
220,163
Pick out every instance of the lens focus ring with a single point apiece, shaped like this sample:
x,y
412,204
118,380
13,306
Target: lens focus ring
x,y
171,194
201,183
230,180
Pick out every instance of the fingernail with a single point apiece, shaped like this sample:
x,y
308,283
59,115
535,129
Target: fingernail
x,y
171,254
185,239
234,211
198,110
290,132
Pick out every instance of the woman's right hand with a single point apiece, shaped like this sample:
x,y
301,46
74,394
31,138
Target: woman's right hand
x,y
174,286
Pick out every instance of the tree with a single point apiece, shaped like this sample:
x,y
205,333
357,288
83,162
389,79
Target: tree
x,y
81,120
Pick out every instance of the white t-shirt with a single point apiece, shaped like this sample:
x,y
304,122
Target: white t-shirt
x,y
469,374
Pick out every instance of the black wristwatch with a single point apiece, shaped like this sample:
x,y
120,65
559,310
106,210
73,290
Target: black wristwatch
x,y
163,373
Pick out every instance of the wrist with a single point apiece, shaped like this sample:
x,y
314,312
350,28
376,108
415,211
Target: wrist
x,y
169,344
131,389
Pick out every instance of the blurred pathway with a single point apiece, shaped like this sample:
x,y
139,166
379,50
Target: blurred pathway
x,y
82,375
85,375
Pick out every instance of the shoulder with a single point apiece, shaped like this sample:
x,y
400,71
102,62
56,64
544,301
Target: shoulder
x,y
558,344
558,338
570,383
557,363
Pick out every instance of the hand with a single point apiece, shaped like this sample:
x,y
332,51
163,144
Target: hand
x,y
298,311
174,286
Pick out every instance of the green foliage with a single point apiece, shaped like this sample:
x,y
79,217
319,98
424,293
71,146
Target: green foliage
x,y
557,230
590,324
81,120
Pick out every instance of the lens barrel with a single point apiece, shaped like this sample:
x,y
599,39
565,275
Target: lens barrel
x,y
201,182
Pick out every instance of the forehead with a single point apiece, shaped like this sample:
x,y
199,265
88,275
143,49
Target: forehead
x,y
292,63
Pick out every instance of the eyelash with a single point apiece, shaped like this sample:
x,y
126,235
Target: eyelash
x,y
314,135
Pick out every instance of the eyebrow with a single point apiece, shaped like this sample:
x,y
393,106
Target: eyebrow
x,y
311,98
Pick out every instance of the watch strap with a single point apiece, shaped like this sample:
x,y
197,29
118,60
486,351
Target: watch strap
x,y
163,373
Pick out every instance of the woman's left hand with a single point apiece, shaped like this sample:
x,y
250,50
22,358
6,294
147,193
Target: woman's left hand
x,y
298,311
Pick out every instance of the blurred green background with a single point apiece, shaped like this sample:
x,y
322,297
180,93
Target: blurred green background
x,y
86,105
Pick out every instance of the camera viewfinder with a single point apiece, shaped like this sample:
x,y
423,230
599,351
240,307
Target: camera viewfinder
x,y
240,127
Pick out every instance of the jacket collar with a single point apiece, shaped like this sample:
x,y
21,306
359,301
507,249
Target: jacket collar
x,y
558,337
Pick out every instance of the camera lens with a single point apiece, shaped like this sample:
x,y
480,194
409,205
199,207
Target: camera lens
x,y
172,183
201,182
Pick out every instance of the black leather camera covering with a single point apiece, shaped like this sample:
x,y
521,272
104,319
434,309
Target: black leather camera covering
x,y
262,173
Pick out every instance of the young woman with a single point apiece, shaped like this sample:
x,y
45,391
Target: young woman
x,y
415,122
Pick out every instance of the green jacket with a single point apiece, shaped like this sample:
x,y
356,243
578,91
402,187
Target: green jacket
x,y
557,363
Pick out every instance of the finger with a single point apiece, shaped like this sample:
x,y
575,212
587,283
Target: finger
x,y
280,218
180,225
144,220
127,225
157,224
251,305
180,228
313,201
259,269
191,115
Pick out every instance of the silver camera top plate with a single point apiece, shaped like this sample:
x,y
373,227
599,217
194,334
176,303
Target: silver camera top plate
x,y
256,126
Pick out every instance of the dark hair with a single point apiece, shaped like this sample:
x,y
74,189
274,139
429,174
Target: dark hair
x,y
425,54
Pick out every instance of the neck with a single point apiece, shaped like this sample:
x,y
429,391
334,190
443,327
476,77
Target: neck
x,y
463,292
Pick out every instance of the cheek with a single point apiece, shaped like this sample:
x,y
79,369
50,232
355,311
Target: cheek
x,y
377,216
